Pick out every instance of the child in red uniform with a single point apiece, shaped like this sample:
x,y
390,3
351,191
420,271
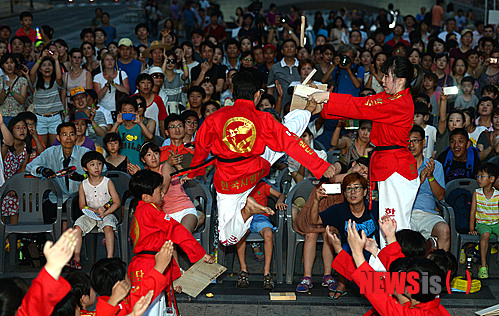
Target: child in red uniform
x,y
261,225
151,228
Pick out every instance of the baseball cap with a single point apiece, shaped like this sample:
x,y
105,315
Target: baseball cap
x,y
125,41
466,31
77,90
155,70
269,46
80,116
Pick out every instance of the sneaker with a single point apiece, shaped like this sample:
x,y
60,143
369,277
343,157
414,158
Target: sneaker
x,y
73,264
268,282
462,257
483,273
493,250
305,285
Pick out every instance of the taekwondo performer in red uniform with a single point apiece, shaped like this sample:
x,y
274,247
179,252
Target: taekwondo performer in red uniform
x,y
237,137
392,113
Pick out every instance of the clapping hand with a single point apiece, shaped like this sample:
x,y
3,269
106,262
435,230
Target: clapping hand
x,y
335,240
356,241
119,292
142,304
388,226
58,254
372,246
164,256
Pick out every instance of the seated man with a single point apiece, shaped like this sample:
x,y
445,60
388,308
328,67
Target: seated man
x,y
56,158
177,154
459,160
425,219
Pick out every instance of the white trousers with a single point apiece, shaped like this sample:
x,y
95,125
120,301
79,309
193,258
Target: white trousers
x,y
231,225
396,198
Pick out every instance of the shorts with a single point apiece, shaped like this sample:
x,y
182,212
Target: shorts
x,y
47,125
424,222
259,222
179,215
485,228
87,224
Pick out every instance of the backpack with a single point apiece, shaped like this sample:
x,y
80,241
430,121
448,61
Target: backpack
x,y
470,161
460,200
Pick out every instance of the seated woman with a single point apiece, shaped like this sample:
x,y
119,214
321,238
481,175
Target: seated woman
x,y
354,188
355,146
115,161
298,172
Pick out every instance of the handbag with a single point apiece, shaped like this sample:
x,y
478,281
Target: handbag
x,y
118,95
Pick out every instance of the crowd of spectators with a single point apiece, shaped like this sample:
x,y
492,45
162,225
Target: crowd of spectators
x,y
139,101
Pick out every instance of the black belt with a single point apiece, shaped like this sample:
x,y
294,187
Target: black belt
x,y
391,147
209,161
147,252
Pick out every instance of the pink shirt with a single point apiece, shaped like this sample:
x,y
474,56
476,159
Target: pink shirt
x,y
175,200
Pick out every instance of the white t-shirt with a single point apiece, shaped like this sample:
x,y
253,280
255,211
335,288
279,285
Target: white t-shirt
x,y
153,112
474,136
431,138
108,101
107,115
294,165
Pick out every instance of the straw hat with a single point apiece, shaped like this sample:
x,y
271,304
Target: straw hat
x,y
154,45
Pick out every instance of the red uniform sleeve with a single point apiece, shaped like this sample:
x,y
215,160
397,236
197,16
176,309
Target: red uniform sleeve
x,y
204,138
103,308
179,235
43,294
344,265
279,138
390,253
380,107
161,107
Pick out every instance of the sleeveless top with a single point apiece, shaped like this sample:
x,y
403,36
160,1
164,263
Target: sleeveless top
x,y
122,166
69,84
175,200
132,140
96,196
351,154
13,162
486,209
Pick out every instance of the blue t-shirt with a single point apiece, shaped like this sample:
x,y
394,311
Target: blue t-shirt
x,y
110,33
189,17
339,214
132,140
425,200
132,70
345,84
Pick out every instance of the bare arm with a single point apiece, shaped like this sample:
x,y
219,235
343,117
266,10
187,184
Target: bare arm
x,y
442,112
116,199
338,142
473,215
88,80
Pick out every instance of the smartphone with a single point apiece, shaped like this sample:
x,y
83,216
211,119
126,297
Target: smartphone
x,y
493,60
332,188
450,90
128,117
50,52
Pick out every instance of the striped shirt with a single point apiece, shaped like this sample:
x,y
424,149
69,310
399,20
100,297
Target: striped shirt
x,y
487,211
48,100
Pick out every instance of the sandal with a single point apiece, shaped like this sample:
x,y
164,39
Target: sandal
x,y
268,282
258,256
242,280
305,285
329,282
333,297
483,273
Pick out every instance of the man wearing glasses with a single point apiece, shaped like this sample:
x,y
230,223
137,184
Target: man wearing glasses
x,y
424,218
177,153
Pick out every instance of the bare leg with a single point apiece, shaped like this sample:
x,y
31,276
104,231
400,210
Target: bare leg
x,y
77,254
241,253
190,222
309,251
14,219
201,219
252,207
442,231
327,254
268,240
342,282
108,232
484,247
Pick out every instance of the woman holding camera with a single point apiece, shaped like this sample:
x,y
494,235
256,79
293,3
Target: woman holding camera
x,y
109,81
392,112
13,89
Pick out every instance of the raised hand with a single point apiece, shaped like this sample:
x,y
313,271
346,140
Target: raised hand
x,y
356,241
388,226
335,240
164,256
142,304
58,254
119,292
372,246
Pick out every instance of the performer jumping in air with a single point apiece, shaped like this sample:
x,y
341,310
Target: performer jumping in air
x,y
237,137
393,166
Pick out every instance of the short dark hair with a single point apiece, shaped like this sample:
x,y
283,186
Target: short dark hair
x,y
105,13
411,242
246,83
28,116
111,137
489,88
207,43
205,105
459,131
140,25
106,272
418,129
85,31
12,291
100,29
65,124
61,42
232,41
92,93
172,118
490,168
145,148
91,155
421,108
269,97
197,31
196,89
25,14
144,182
469,79
143,76
423,266
187,114
80,285
445,260
127,100
289,40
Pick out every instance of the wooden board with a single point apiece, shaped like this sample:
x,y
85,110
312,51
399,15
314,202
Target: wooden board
x,y
198,277
283,296
301,92
489,311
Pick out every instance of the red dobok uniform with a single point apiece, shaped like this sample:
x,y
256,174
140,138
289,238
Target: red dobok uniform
x,y
392,164
237,136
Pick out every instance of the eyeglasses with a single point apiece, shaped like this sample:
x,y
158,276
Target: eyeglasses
x,y
356,188
191,122
141,105
19,128
175,126
158,76
170,61
482,177
414,141
247,59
